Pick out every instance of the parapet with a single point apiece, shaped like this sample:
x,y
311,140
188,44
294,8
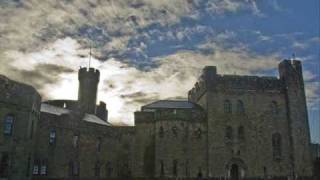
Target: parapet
x,y
211,81
290,68
208,75
89,73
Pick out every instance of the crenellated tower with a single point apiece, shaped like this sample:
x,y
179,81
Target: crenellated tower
x,y
299,135
88,86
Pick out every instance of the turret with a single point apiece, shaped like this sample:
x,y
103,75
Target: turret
x,y
88,86
102,111
293,87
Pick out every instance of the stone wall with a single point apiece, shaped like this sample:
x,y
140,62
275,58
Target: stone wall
x,y
254,153
22,103
113,157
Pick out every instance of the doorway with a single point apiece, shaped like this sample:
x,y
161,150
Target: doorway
x,y
234,172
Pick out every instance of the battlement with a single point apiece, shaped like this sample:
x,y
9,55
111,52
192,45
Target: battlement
x,y
295,64
210,80
91,73
290,69
90,70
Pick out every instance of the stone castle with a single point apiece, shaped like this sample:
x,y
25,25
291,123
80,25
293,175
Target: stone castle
x,y
231,127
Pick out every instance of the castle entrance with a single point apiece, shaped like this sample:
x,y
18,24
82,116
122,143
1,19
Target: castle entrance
x,y
234,172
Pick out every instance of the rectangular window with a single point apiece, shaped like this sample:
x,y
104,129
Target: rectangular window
x,y
76,169
43,170
52,137
98,146
35,169
8,125
75,141
4,165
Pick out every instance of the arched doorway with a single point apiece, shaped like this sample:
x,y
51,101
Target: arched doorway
x,y
234,172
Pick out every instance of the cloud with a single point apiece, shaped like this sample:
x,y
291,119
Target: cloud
x,y
123,87
43,43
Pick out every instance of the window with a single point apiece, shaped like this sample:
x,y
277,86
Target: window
x,y
4,165
241,133
74,168
98,146
175,167
229,134
161,168
108,169
35,170
52,136
161,132
75,141
97,169
43,169
8,125
276,146
274,107
198,133
174,111
227,106
175,131
240,107
200,173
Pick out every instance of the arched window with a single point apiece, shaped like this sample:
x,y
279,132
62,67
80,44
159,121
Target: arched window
x,y
241,133
274,107
229,134
276,146
8,124
161,132
240,107
227,106
52,136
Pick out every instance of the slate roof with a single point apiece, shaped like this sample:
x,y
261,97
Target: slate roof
x,y
170,104
47,108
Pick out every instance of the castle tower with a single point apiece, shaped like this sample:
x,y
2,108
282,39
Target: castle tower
x,y
88,86
299,135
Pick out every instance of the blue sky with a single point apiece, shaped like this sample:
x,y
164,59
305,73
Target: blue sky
x,y
146,48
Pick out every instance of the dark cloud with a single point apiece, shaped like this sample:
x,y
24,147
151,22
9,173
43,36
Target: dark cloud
x,y
40,76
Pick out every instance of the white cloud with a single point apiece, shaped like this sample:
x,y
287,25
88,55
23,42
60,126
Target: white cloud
x,y
126,88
